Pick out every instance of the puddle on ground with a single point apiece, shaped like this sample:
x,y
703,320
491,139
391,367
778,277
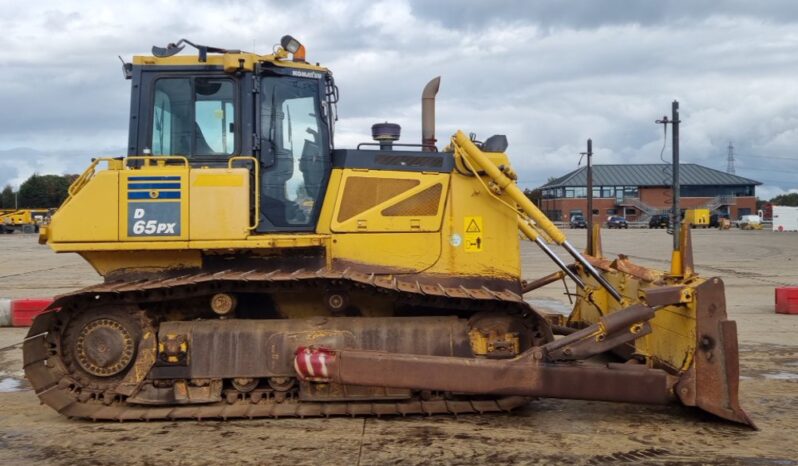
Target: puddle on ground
x,y
7,384
781,375
550,305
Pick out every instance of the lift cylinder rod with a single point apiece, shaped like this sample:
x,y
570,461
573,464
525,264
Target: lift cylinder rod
x,y
533,236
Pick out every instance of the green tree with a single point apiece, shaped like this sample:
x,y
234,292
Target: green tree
x,y
534,195
44,191
790,199
7,197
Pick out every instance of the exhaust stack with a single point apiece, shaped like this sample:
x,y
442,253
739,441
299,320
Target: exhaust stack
x,y
428,114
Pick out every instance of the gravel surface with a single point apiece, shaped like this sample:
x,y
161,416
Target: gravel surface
x,y
546,431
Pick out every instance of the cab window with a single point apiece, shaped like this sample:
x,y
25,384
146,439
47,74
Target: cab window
x,y
193,117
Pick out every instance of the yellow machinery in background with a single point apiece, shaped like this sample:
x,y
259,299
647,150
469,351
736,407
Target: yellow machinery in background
x,y
697,218
24,220
253,269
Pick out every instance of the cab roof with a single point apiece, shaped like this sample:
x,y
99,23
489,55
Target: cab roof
x,y
231,61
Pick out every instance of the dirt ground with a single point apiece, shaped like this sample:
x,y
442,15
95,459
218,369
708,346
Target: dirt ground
x,y
544,432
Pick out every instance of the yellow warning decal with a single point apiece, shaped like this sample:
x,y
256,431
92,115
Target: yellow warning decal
x,y
473,234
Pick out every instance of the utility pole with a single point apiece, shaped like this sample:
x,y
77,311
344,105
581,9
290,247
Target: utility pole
x,y
677,212
589,219
675,185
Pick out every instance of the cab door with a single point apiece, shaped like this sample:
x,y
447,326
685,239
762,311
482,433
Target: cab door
x,y
294,151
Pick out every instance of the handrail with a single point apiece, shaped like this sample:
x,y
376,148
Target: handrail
x,y
149,158
87,174
256,164
84,177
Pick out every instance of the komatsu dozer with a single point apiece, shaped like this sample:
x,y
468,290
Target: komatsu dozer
x,y
253,269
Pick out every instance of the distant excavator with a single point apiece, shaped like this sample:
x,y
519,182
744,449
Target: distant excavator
x,y
253,269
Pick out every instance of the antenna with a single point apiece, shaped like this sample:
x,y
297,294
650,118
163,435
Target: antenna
x,y
730,160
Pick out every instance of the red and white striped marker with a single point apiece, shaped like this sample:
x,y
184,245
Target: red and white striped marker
x,y
314,364
787,300
23,311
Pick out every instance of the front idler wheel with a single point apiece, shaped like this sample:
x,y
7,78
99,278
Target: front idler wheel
x,y
100,345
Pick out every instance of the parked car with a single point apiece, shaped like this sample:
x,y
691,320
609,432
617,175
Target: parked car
x,y
659,221
577,221
617,222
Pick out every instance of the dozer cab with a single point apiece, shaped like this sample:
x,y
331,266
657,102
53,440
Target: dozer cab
x,y
253,269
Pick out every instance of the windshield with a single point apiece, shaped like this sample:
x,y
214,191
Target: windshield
x,y
294,148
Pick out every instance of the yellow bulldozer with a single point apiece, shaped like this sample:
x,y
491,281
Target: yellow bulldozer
x,y
24,220
251,268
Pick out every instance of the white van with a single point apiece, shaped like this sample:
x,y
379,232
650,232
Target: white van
x,y
750,222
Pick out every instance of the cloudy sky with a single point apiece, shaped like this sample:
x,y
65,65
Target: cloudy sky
x,y
548,74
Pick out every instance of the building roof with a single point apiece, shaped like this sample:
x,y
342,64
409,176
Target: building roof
x,y
654,174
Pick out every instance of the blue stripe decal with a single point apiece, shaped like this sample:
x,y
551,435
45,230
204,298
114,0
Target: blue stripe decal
x,y
153,178
146,195
153,186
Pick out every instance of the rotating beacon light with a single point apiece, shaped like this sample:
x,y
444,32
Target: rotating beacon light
x,y
294,47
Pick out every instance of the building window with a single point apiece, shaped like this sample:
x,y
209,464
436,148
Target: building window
x,y
569,193
580,192
718,190
554,215
607,191
596,191
631,211
631,191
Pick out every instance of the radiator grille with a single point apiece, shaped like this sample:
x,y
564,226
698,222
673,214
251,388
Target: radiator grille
x,y
363,193
421,204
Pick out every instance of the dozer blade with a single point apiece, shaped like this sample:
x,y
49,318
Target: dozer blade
x,y
712,383
560,369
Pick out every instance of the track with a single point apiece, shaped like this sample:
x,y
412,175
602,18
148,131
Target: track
x,y
52,375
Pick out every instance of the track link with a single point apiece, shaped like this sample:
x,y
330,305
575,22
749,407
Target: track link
x,y
56,389
48,374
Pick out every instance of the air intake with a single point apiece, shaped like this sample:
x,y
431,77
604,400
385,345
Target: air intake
x,y
386,133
